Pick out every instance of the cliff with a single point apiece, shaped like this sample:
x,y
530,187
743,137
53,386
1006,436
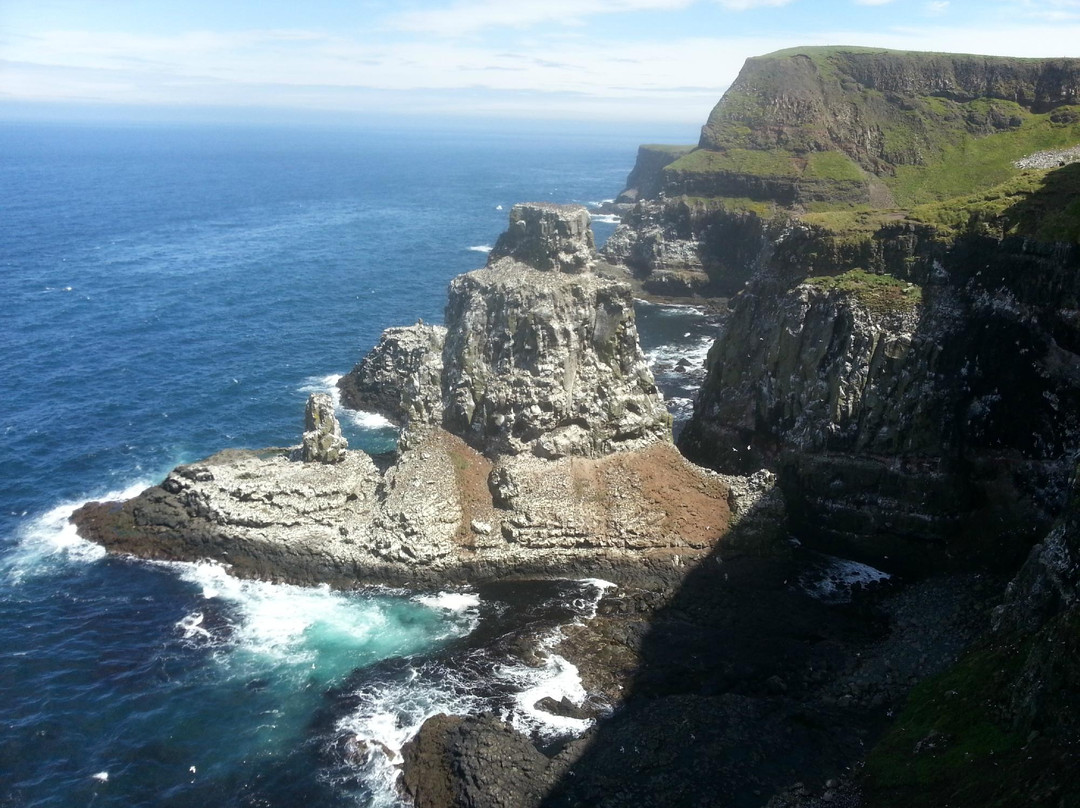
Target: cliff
x,y
906,361
849,140
899,237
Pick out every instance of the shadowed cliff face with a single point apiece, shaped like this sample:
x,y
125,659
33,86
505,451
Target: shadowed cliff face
x,y
911,424
1001,727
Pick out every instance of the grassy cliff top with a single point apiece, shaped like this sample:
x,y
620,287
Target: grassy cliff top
x,y
916,128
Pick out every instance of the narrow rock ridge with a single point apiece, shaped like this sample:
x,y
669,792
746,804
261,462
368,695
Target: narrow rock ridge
x,y
535,442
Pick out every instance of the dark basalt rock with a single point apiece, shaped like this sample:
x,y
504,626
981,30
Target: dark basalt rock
x,y
475,762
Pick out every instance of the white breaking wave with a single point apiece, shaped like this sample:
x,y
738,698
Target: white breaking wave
x,y
390,713
607,218
671,309
482,248
367,420
667,357
50,541
361,418
276,620
450,601
324,384
557,678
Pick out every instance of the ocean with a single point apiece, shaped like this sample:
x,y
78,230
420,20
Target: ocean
x,y
174,291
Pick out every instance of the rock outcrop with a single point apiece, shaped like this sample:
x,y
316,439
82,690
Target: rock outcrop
x,y
911,423
539,355
546,363
1003,721
535,442
401,378
323,441
548,237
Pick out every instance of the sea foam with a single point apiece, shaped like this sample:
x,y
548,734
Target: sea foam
x,y
48,542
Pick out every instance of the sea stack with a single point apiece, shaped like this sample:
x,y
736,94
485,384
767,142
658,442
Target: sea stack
x,y
541,354
323,441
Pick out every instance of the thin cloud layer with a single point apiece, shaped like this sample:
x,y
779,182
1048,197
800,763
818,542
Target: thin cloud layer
x,y
589,59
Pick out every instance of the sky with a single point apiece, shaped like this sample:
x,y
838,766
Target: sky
x,y
587,60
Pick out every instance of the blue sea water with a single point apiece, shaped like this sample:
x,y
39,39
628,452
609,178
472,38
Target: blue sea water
x,y
170,292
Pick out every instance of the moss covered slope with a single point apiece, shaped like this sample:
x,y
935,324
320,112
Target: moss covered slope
x,y
828,128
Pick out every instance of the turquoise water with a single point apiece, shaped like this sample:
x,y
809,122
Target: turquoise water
x,y
173,292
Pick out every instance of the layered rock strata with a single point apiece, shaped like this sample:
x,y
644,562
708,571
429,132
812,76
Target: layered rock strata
x,y
912,424
546,363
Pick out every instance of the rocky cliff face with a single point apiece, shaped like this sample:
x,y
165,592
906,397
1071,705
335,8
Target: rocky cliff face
x,y
539,355
913,422
548,237
999,727
547,363
882,109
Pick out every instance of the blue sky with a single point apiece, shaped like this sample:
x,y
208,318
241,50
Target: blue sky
x,y
602,60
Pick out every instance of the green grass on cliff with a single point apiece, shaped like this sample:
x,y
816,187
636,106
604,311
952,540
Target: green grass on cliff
x,y
925,128
961,164
996,730
946,737
881,294
759,163
1044,205
669,150
771,164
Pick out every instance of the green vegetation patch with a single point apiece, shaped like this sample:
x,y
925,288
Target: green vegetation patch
x,y
957,163
832,165
729,204
947,728
1044,205
672,151
761,163
882,294
964,738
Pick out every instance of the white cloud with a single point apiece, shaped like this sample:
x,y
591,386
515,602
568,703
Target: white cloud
x,y
571,77
470,16
746,5
937,7
872,2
